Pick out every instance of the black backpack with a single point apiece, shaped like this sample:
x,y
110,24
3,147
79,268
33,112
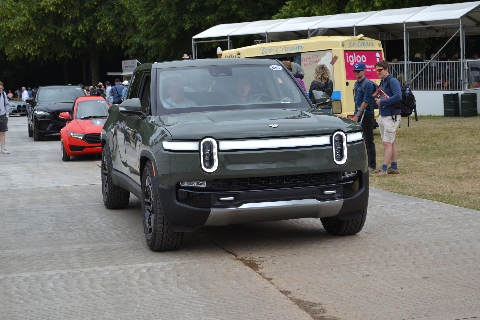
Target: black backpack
x,y
408,105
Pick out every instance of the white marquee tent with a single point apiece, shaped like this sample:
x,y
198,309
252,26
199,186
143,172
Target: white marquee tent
x,y
443,20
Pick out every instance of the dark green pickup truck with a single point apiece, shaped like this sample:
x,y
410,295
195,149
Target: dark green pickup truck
x,y
223,141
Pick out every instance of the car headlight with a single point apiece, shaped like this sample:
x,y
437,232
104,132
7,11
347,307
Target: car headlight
x,y
76,135
41,112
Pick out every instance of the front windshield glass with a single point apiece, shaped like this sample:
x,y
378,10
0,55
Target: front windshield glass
x,y
92,109
68,94
210,88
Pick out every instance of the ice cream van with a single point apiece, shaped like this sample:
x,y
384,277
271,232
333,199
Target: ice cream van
x,y
338,53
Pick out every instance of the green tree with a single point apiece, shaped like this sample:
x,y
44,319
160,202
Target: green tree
x,y
164,29
61,29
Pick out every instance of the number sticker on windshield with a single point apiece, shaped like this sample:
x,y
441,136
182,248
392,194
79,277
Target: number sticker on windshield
x,y
276,67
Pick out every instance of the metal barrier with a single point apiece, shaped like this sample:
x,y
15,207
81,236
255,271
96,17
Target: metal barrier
x,y
439,75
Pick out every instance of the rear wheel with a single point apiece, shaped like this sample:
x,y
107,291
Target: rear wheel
x,y
158,233
114,197
349,224
65,156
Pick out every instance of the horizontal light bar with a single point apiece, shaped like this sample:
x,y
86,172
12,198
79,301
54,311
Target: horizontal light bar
x,y
352,137
275,143
180,145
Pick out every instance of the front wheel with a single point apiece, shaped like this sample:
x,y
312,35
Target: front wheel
x,y
30,131
347,225
36,136
158,233
65,156
114,197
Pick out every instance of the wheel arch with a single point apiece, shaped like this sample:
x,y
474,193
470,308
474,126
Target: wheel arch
x,y
145,156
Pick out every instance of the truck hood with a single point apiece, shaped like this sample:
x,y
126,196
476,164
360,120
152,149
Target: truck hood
x,y
54,106
242,124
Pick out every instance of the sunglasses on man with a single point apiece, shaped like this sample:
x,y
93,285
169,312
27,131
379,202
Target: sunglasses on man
x,y
379,70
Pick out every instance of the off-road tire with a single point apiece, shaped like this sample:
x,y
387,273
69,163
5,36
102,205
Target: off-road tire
x,y
65,156
344,227
30,131
158,233
114,197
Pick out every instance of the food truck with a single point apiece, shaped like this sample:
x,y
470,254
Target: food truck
x,y
338,53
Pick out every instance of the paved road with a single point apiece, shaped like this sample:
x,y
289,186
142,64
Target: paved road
x,y
63,255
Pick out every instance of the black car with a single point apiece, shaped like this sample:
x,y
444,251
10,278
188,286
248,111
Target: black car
x,y
44,112
223,141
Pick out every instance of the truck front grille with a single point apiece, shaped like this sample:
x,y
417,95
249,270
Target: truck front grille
x,y
291,181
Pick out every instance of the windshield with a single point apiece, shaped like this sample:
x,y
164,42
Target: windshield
x,y
230,87
92,109
68,94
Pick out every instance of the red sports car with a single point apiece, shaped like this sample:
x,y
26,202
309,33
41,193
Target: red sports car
x,y
82,133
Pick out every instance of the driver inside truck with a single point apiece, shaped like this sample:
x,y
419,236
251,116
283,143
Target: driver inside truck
x,y
176,92
241,90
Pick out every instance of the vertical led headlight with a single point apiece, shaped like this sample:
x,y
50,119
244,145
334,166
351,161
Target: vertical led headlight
x,y
339,146
209,154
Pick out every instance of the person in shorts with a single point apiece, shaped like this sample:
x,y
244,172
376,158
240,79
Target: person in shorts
x,y
389,117
4,111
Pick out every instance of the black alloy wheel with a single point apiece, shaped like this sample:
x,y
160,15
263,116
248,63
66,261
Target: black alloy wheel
x,y
158,233
114,197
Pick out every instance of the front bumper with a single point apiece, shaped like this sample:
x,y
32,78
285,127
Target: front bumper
x,y
186,210
77,147
49,125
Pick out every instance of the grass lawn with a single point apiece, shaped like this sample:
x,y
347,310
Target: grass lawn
x,y
438,159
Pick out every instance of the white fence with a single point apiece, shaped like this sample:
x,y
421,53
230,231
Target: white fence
x,y
438,75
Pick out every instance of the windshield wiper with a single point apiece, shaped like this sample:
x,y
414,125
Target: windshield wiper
x,y
92,117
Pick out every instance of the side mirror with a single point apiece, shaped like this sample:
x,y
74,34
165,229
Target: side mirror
x,y
337,106
65,115
132,107
133,104
31,102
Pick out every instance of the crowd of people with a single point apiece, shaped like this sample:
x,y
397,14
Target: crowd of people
x,y
100,89
22,93
113,94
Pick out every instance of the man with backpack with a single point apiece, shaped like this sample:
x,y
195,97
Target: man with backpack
x,y
389,117
117,92
364,89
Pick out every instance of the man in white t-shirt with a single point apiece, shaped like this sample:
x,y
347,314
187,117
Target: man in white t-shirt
x,y
25,95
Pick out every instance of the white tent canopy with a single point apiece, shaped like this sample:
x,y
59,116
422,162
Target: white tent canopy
x,y
377,22
445,12
257,27
221,30
443,20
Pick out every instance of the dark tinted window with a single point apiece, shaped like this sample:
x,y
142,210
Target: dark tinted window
x,y
68,94
135,85
144,94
